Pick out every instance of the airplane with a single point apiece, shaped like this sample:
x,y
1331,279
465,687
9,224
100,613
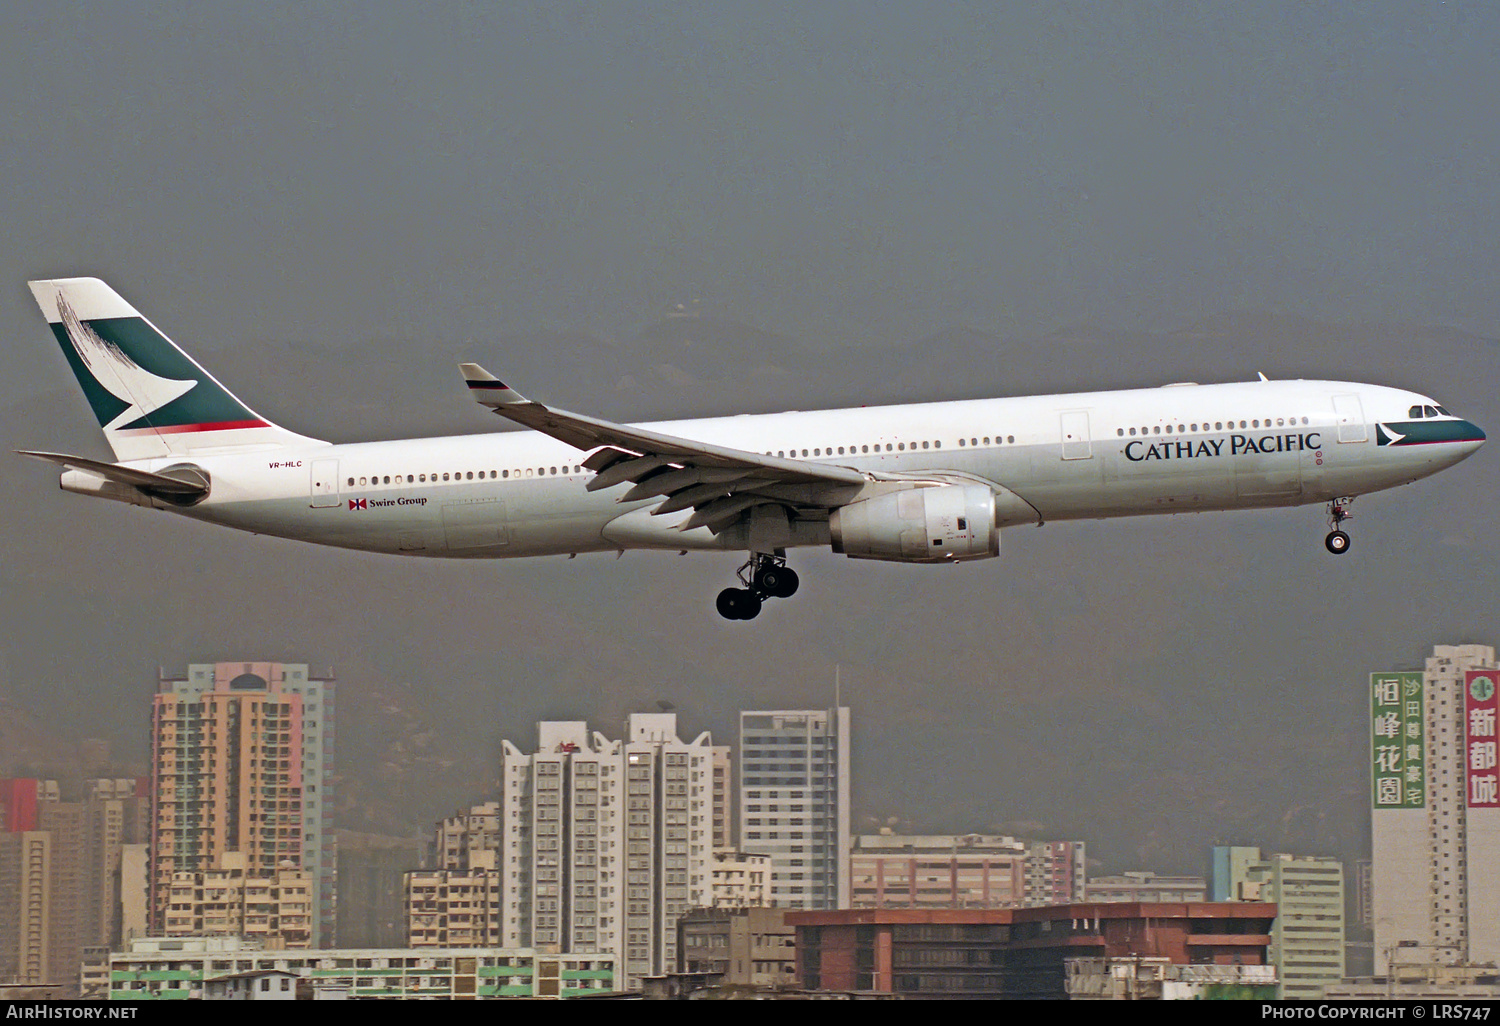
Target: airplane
x,y
919,483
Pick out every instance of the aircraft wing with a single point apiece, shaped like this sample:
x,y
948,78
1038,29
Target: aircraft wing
x,y
717,482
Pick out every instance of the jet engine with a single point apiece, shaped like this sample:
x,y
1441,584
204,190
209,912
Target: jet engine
x,y
919,525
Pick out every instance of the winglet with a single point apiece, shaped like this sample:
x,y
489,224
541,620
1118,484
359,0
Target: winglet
x,y
487,389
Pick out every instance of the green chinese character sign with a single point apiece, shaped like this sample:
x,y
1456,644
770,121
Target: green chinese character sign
x,y
1398,752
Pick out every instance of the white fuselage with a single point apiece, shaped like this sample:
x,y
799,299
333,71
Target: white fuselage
x,y
1174,449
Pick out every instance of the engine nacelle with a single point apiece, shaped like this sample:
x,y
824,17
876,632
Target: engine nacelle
x,y
919,525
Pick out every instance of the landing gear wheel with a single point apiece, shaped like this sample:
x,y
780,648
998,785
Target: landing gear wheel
x,y
776,581
728,603
1337,541
787,585
738,604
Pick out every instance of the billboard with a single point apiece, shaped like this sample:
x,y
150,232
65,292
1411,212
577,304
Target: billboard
x,y
1480,705
1398,751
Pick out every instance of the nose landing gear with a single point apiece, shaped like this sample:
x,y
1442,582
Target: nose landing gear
x,y
1337,541
764,576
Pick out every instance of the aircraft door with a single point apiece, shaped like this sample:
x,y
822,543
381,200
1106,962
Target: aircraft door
x,y
1349,413
325,483
1076,444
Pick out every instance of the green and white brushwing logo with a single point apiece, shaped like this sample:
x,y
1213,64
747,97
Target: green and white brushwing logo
x,y
112,368
1481,688
137,380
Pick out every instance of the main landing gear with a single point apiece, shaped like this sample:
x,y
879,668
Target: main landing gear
x,y
764,576
1337,541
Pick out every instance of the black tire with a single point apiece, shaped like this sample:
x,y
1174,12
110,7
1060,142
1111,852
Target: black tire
x,y
786,583
749,605
1337,542
728,603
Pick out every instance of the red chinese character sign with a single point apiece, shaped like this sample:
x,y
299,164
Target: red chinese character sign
x,y
1480,706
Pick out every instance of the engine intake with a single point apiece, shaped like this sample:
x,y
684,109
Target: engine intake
x,y
919,525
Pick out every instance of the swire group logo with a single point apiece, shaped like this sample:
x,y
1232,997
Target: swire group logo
x,y
359,504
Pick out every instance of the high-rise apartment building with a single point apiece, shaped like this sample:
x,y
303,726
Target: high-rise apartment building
x,y
794,802
242,762
60,874
1435,808
1307,938
605,844
1056,872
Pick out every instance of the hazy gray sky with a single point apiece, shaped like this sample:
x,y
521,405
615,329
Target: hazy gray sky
x,y
847,172
265,178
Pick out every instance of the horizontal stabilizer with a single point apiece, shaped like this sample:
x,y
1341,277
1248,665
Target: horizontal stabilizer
x,y
183,487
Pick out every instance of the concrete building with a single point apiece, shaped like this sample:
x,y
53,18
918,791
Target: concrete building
x,y
748,947
1146,887
1015,953
936,871
740,879
60,874
1435,808
606,843
1307,939
794,802
454,908
723,797
158,968
1414,973
1134,978
274,908
242,761
467,840
1056,872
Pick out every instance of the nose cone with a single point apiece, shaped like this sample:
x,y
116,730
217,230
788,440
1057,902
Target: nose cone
x,y
1475,439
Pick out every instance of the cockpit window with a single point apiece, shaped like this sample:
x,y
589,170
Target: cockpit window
x,y
1444,411
1415,412
1431,411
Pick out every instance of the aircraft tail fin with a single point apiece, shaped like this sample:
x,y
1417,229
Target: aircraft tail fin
x,y
150,397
